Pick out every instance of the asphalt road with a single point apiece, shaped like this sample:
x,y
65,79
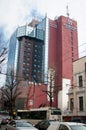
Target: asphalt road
x,y
3,127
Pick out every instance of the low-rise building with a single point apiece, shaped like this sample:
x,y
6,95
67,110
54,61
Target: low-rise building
x,y
77,92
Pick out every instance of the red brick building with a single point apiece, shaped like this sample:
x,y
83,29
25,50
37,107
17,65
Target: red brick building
x,y
63,50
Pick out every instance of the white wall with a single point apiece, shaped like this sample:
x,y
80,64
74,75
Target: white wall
x,y
62,95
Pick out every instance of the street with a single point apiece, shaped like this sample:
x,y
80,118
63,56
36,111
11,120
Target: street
x,y
2,127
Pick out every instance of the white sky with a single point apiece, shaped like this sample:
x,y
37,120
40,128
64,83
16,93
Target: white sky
x,y
14,13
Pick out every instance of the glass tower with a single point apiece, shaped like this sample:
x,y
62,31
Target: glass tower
x,y
28,52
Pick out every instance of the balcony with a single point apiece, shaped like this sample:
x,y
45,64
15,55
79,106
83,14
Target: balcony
x,y
70,91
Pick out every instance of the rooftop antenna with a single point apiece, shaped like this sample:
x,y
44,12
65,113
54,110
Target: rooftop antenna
x,y
68,19
67,11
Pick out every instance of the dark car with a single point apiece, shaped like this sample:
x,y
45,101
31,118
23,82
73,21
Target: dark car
x,y
45,124
78,120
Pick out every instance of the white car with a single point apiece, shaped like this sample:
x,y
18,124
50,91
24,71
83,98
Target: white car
x,y
67,126
20,125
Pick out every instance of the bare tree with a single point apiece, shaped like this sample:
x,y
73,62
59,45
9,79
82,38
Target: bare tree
x,y
3,48
10,92
3,53
51,85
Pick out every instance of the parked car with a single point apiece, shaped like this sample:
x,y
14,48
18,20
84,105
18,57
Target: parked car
x,y
4,119
0,122
45,124
68,126
19,125
79,120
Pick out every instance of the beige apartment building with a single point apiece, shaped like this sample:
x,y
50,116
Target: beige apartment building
x,y
77,92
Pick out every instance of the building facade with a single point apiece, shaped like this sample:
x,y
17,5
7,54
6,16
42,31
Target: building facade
x,y
77,94
49,45
63,51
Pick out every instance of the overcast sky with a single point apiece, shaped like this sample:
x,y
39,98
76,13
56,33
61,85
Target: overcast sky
x,y
14,13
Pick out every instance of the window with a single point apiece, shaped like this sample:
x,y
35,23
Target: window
x,y
39,66
35,65
28,58
35,50
28,63
34,70
29,48
71,104
34,76
81,103
35,55
28,53
29,43
63,127
35,59
85,67
24,63
36,46
27,74
27,69
80,81
23,68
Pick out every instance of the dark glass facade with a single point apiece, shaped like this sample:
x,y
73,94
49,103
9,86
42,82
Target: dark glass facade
x,y
30,59
27,50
